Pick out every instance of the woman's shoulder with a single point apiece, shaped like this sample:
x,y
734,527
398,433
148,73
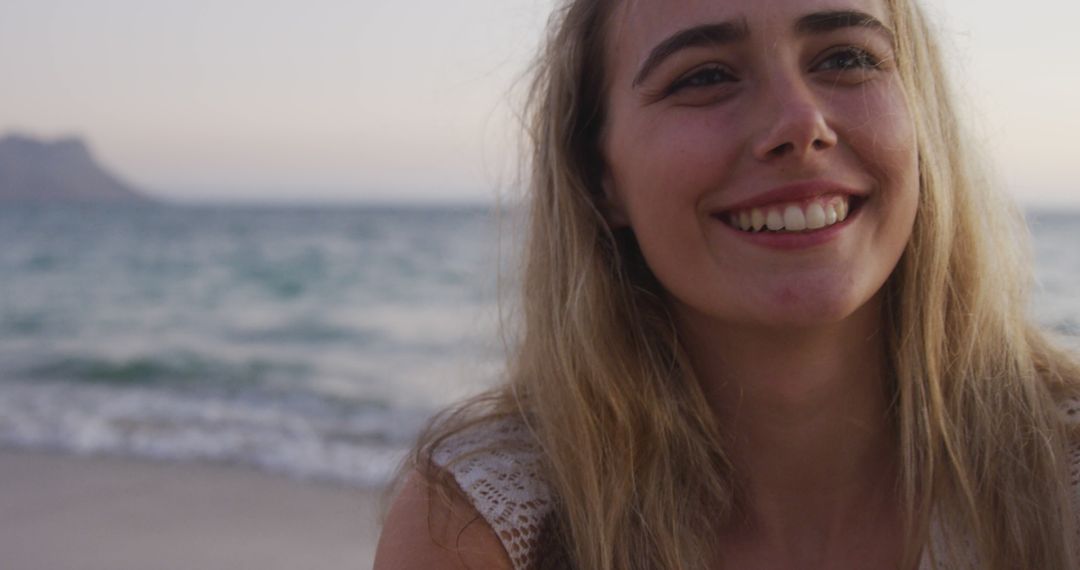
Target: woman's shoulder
x,y
482,501
498,467
428,530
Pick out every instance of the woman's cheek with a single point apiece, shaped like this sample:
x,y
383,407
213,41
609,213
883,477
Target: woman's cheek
x,y
880,124
694,151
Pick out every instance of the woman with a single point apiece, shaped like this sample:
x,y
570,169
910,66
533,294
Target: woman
x,y
773,318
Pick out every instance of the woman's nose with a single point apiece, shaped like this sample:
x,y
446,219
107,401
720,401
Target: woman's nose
x,y
794,124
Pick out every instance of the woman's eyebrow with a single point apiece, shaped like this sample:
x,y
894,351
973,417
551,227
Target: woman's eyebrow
x,y
713,34
832,20
735,31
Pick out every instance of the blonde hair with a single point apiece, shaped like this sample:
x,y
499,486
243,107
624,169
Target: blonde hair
x,y
632,450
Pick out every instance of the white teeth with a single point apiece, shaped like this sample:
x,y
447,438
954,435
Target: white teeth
x,y
757,219
774,221
793,217
744,220
815,216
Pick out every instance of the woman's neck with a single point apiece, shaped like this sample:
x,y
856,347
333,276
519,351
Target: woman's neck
x,y
805,417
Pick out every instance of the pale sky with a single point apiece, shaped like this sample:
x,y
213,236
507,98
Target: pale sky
x,y
240,100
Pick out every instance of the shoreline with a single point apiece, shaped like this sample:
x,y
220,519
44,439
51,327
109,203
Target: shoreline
x,y
68,512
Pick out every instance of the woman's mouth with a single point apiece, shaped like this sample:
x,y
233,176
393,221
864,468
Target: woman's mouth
x,y
798,216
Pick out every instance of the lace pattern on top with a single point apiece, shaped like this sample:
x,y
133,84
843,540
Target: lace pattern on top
x,y
1070,410
497,466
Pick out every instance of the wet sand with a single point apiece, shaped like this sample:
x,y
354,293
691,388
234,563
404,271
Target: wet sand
x,y
62,512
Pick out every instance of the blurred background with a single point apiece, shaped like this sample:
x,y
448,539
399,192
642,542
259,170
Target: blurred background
x,y
261,233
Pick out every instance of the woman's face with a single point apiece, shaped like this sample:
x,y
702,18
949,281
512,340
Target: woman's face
x,y
763,153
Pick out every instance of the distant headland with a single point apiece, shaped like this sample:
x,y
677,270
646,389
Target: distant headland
x,y
62,170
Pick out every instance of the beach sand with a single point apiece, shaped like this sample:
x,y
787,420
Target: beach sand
x,y
62,512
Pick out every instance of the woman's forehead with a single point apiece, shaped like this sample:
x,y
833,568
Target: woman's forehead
x,y
659,11
636,26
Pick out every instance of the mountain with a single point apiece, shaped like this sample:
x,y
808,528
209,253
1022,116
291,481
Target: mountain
x,y
63,170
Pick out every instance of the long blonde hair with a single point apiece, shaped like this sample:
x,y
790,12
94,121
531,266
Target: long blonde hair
x,y
632,450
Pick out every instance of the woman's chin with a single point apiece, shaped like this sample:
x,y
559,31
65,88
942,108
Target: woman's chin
x,y
802,312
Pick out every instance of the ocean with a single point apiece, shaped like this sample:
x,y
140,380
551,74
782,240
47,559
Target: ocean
x,y
312,341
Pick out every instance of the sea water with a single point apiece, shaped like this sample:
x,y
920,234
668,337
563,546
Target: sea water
x,y
314,341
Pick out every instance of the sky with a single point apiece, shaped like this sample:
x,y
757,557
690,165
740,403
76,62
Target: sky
x,y
383,100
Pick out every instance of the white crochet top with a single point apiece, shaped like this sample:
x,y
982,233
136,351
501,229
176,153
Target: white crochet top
x,y
501,476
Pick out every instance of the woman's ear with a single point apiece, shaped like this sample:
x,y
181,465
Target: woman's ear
x,y
612,206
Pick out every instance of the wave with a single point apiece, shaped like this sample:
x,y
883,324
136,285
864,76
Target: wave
x,y
178,369
305,332
318,438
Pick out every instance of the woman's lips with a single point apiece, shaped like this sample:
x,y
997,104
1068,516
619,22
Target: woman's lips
x,y
796,192
786,217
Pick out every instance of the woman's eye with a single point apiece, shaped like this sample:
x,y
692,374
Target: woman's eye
x,y
704,77
850,58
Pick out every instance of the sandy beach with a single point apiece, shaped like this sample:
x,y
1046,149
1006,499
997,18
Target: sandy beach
x,y
62,512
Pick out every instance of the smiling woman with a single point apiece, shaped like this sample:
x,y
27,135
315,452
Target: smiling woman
x,y
773,317
771,114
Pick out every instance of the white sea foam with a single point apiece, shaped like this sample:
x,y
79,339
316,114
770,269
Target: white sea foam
x,y
317,439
